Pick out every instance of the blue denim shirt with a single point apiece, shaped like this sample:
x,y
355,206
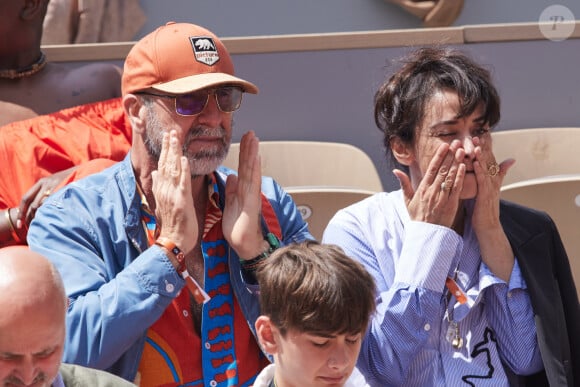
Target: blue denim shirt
x,y
117,285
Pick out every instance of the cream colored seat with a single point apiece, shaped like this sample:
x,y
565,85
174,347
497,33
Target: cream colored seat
x,y
318,204
538,152
314,163
559,196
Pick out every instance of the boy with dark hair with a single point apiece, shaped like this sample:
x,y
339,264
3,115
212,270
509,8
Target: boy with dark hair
x,y
316,303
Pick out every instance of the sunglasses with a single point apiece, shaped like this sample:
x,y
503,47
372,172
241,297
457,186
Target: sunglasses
x,y
228,99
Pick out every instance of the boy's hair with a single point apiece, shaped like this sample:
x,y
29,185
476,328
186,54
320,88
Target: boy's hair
x,y
316,288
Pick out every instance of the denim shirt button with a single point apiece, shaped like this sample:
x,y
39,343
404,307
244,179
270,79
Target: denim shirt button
x,y
169,288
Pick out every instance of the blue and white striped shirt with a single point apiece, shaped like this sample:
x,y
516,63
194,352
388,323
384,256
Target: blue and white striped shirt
x,y
406,344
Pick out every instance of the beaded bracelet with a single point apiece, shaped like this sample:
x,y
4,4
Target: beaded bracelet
x,y
252,264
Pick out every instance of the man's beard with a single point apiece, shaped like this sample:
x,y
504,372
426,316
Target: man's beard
x,y
201,162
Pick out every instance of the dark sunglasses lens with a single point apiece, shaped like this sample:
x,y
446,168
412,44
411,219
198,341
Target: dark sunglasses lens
x,y
229,98
190,104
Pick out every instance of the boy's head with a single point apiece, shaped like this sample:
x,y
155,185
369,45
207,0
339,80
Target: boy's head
x,y
315,303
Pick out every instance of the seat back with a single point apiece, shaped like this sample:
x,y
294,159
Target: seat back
x,y
314,163
559,196
318,205
538,152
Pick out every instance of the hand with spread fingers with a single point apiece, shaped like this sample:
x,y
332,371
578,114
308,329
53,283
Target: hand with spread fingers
x,y
436,198
241,222
174,210
489,175
495,249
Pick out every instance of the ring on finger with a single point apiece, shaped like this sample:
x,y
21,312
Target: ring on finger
x,y
492,169
445,186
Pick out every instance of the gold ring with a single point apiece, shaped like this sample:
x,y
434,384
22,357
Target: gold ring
x,y
47,193
492,169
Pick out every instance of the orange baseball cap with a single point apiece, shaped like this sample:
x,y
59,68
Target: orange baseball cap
x,y
179,58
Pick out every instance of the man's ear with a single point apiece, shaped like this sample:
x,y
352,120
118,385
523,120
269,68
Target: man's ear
x,y
402,151
33,9
267,334
135,111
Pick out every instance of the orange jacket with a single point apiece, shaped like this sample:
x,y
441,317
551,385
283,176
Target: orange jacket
x,y
40,146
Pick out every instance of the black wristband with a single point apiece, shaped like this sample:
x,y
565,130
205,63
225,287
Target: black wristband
x,y
252,264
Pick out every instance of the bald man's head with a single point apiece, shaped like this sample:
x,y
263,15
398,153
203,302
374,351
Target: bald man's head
x,y
28,277
32,322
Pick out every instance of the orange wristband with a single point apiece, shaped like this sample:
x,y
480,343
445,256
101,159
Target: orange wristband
x,y
170,246
199,295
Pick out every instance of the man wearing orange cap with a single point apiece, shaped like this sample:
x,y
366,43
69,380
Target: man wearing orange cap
x,y
158,253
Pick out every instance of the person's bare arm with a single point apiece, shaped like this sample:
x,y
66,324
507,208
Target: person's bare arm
x,y
94,82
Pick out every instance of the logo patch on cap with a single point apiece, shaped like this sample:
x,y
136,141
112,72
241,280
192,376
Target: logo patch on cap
x,y
204,49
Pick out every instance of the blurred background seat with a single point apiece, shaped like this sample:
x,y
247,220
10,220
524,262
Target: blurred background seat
x,y
318,205
538,152
314,163
559,196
